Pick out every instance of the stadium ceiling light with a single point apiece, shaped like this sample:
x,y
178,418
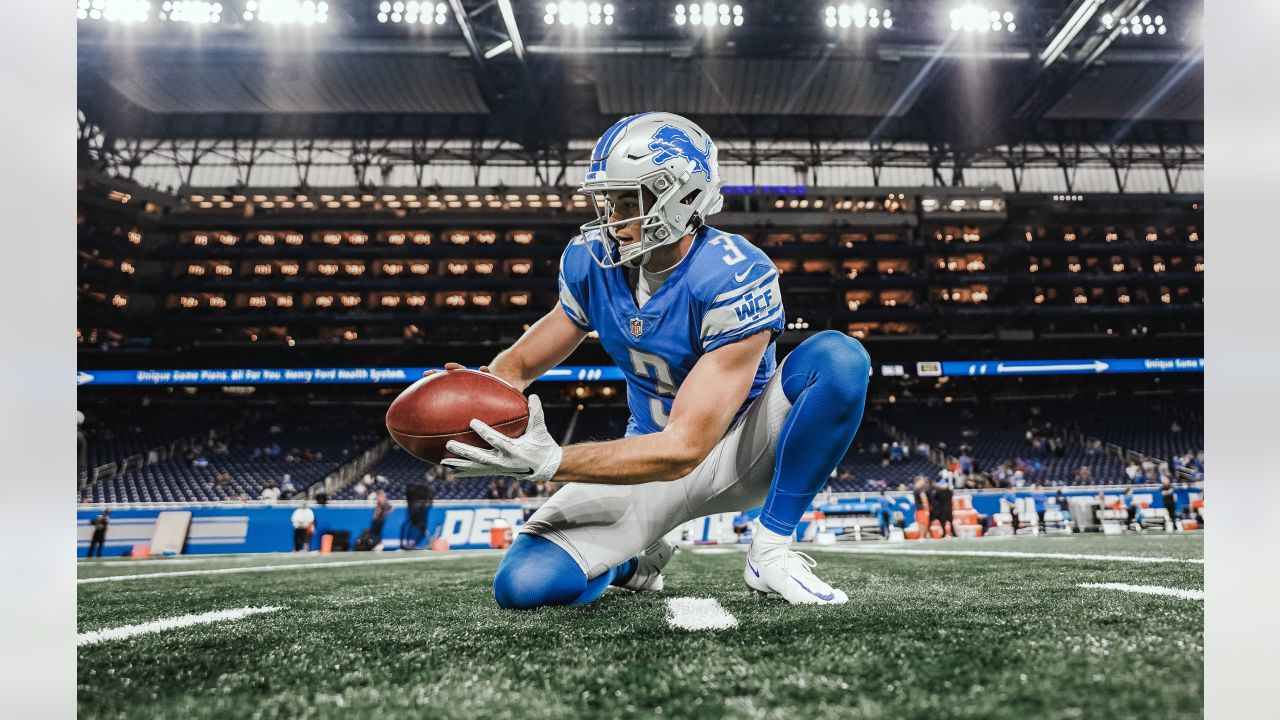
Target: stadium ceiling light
x,y
412,13
498,49
116,11
287,12
857,15
1136,25
578,13
195,12
975,18
1069,31
709,14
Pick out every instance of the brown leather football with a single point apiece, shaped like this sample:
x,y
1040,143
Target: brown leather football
x,y
439,408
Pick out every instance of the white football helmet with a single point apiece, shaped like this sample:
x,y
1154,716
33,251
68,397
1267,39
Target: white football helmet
x,y
667,155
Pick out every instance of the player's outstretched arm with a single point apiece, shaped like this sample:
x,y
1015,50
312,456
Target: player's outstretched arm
x,y
543,346
703,410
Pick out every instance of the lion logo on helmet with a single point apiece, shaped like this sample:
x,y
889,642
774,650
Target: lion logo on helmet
x,y
671,142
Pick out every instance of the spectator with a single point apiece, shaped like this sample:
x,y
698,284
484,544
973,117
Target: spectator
x,y
1038,498
99,532
1131,470
515,490
1167,496
920,495
1174,427
942,503
302,520
287,488
887,510
270,493
493,493
1009,503
381,509
222,480
82,452
1130,505
966,463
360,490
1084,475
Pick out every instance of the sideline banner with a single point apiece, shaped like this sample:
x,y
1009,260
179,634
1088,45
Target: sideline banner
x,y
250,529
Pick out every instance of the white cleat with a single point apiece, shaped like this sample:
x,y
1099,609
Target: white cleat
x,y
648,574
779,570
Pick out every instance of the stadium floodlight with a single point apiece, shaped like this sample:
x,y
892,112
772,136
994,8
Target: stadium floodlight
x,y
578,13
975,18
857,15
709,14
413,13
116,11
1136,25
287,12
195,12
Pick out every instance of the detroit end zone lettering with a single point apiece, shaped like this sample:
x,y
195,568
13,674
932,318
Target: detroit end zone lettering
x,y
471,526
753,303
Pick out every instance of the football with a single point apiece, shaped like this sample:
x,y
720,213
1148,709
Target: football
x,y
439,408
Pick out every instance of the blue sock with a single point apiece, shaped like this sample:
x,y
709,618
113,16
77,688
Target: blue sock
x,y
825,378
536,572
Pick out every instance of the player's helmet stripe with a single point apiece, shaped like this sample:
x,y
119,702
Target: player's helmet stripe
x,y
600,155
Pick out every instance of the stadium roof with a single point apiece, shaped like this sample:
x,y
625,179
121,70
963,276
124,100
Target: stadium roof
x,y
781,73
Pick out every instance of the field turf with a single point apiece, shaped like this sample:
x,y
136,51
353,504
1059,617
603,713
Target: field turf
x,y
923,636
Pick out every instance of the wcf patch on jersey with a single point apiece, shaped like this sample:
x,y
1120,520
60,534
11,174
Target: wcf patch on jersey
x,y
754,303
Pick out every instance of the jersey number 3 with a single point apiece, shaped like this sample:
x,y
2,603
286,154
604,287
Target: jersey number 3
x,y
732,255
655,368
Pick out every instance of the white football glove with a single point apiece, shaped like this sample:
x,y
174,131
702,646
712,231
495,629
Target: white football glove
x,y
535,455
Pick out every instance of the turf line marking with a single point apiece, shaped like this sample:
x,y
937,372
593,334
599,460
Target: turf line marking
x,y
1148,590
1011,554
698,614
273,568
128,631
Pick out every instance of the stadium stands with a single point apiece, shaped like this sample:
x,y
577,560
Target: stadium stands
x,y
993,437
297,449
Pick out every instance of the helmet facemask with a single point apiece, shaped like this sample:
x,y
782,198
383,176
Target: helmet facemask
x,y
654,192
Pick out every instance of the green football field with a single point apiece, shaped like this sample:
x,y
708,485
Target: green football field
x,y
989,628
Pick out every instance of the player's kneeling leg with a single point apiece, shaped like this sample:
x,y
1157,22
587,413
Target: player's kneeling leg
x,y
825,379
536,572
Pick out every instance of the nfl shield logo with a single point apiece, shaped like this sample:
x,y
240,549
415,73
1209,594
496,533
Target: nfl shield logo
x,y
637,327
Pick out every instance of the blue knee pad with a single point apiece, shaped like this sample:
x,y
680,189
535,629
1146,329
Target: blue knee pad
x,y
825,378
835,360
536,572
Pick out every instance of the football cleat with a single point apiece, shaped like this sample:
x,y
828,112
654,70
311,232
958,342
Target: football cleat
x,y
649,564
782,571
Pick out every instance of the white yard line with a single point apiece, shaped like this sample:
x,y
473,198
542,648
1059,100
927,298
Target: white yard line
x,y
698,614
273,568
1008,554
1148,590
128,631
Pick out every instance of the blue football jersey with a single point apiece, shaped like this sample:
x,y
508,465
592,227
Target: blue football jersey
x,y
724,290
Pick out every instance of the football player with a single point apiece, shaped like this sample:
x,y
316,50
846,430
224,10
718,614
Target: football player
x,y
690,314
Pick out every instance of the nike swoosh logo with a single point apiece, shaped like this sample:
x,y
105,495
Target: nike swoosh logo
x,y
638,157
739,277
825,598
754,570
